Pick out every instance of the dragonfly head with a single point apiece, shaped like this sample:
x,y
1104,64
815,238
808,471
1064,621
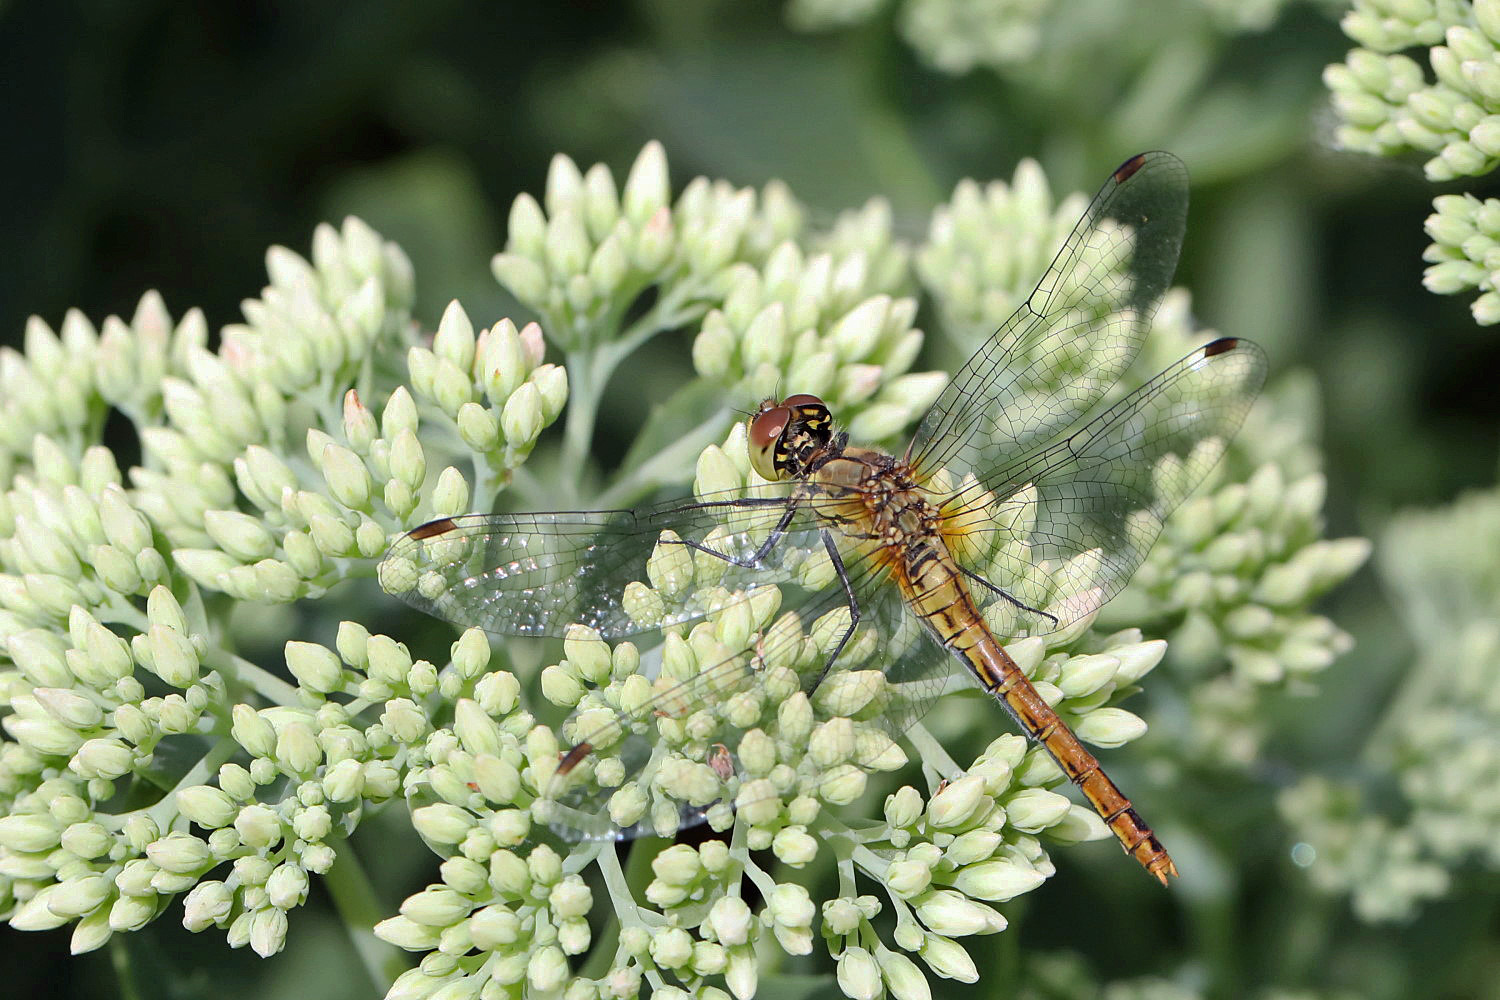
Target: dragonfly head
x,y
784,436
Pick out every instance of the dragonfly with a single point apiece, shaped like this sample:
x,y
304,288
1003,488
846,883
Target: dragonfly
x,y
1027,498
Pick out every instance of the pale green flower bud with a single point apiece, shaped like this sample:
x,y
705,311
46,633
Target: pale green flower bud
x,y
846,692
509,874
494,927
240,535
547,969
757,753
832,742
407,934
1110,727
858,974
903,807
124,526
258,825
741,974
86,840
172,656
101,758
252,731
790,907
521,418
140,830
587,653
478,428
315,667
1084,675
80,895
180,854
313,823
544,864
348,480
131,913
902,975
560,685
574,937
908,877
135,877
436,906
386,659
571,898
730,920
408,462
208,903
442,823
647,188
207,806
287,886
670,567
268,932
671,947
34,914
90,933
318,858
297,749
656,241
69,707
523,276
450,496
454,340
958,803
950,913
842,784
794,720
115,569
451,387
39,656
999,879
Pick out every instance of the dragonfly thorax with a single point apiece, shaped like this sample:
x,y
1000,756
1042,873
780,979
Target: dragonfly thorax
x,y
786,439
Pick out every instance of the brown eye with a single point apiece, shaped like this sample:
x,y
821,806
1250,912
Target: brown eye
x,y
802,399
765,431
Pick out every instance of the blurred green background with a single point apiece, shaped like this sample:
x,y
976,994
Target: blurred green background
x,y
160,145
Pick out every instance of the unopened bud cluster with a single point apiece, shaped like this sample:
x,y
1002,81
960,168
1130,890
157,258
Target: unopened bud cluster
x,y
1401,840
1389,105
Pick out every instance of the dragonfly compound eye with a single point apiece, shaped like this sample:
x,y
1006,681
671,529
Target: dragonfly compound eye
x,y
766,429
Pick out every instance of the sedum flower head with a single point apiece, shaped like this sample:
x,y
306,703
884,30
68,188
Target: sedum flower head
x,y
1388,104
1391,857
1238,567
155,749
959,36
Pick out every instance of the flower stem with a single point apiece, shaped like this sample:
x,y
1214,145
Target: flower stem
x,y
356,902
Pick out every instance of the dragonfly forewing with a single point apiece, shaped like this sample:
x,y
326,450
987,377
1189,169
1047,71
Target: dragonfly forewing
x,y
1074,336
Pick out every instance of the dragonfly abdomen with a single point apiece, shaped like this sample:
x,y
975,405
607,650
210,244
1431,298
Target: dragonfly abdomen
x,y
937,592
1004,679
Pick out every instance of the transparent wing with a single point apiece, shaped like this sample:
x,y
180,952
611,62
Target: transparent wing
x,y
1068,343
537,574
1063,529
681,757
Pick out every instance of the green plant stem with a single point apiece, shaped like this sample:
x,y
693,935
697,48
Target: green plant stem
x,y
258,679
354,898
666,464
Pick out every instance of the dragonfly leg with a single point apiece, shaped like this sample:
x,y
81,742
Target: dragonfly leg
x,y
843,575
987,585
759,554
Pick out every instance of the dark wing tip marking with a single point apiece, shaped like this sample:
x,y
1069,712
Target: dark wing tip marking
x,y
1221,346
574,757
1127,170
431,528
